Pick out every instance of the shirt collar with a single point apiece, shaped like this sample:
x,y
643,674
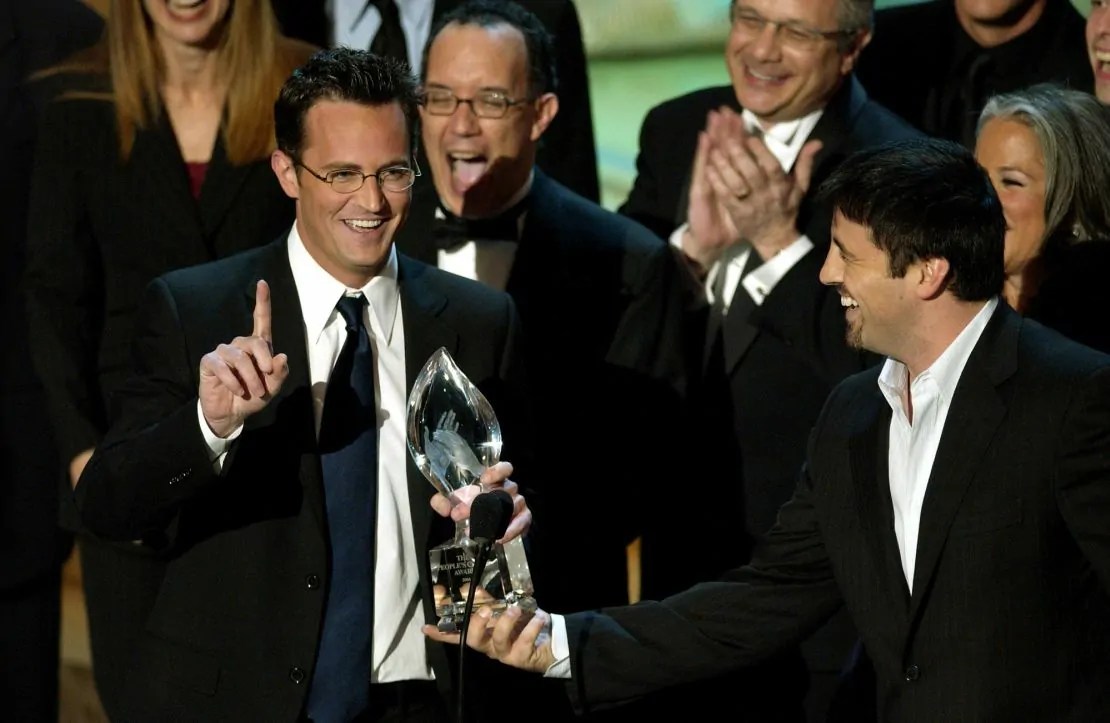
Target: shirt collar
x,y
785,139
319,291
946,370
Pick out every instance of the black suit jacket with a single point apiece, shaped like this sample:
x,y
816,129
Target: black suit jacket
x,y
1009,615
101,230
919,53
234,631
750,423
568,152
598,303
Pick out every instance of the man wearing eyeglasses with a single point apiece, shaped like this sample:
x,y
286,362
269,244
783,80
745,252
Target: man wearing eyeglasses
x,y
262,436
591,287
728,174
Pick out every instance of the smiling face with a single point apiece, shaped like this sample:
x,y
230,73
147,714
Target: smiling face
x,y
348,234
878,308
1098,46
479,164
1010,153
779,83
188,22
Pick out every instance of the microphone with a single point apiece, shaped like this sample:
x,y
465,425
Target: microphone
x,y
490,514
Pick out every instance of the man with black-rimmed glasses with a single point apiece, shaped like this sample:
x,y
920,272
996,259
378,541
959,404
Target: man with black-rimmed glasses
x,y
262,435
591,287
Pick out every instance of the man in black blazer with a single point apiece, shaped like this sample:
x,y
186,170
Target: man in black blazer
x,y
592,289
568,153
936,63
728,174
954,500
232,463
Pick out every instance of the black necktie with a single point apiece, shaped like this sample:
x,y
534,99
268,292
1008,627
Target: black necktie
x,y
390,39
349,461
451,231
718,342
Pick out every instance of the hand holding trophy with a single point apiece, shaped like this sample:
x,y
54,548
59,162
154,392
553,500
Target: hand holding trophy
x,y
453,436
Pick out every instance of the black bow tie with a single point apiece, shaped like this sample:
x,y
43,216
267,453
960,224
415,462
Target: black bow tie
x,y
451,231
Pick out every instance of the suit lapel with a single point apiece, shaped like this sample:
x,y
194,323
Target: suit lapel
x,y
158,157
976,412
221,187
293,407
534,262
425,332
867,453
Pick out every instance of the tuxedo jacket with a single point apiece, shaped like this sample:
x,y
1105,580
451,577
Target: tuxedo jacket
x,y
598,304
568,151
749,420
235,627
101,229
1009,615
908,64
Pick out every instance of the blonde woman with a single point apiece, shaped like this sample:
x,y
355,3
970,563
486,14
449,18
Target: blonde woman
x,y
154,156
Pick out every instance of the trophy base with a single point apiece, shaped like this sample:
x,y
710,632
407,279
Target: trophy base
x,y
504,580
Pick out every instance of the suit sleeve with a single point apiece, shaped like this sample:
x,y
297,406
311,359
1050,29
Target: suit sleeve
x,y
645,203
1082,483
64,287
781,597
154,458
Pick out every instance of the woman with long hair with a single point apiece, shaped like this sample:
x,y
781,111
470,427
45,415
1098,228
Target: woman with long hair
x,y
1047,150
154,156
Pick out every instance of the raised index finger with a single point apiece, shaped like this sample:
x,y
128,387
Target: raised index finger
x,y
262,311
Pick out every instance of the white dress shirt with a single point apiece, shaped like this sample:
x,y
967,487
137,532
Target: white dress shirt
x,y
354,25
784,141
398,643
490,262
913,442
912,450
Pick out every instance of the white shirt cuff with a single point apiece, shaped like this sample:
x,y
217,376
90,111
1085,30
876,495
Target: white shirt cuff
x,y
761,281
560,648
217,446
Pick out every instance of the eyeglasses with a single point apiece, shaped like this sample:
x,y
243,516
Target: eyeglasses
x,y
791,34
485,104
347,180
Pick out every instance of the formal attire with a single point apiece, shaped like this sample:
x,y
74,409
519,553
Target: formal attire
x,y
568,152
923,65
1005,610
1072,294
595,292
100,229
756,393
237,624
32,546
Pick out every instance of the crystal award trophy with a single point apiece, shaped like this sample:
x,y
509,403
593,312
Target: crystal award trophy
x,y
453,435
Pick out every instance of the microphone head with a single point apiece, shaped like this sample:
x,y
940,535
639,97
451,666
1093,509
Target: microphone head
x,y
490,513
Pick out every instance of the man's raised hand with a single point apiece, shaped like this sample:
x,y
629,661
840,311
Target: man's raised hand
x,y
240,378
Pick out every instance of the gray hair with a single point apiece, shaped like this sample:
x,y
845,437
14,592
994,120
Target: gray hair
x,y
1073,130
855,14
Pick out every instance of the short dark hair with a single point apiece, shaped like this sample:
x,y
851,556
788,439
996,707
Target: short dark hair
x,y
926,198
343,74
542,75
